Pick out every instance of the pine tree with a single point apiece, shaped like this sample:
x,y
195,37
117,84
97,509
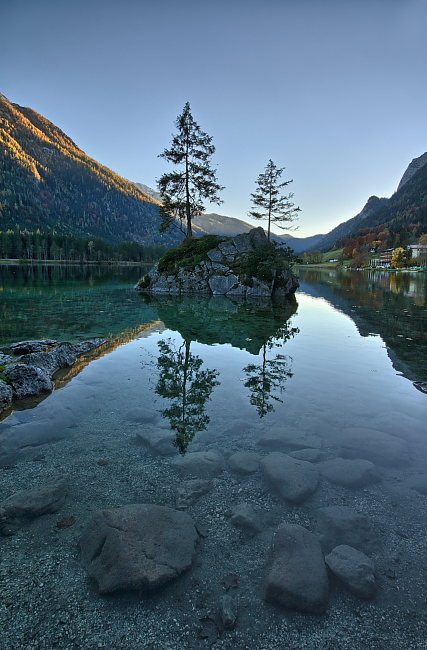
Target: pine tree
x,y
276,207
183,191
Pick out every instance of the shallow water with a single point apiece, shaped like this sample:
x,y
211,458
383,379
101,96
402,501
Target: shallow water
x,y
218,375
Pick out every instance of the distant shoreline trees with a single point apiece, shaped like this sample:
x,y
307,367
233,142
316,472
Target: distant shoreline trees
x,y
26,245
184,190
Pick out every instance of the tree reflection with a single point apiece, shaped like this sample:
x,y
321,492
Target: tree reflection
x,y
182,381
266,381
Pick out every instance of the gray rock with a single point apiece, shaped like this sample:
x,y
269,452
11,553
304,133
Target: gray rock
x,y
259,288
242,243
27,347
34,502
349,473
87,346
244,462
27,381
310,455
419,483
221,284
228,611
63,355
297,576
6,394
354,569
137,547
215,255
289,439
376,446
293,480
159,440
228,248
189,492
245,517
339,525
6,358
203,464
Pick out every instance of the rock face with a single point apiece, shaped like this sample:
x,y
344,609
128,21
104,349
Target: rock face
x,y
139,546
218,273
297,576
30,365
354,569
5,396
292,479
28,504
339,525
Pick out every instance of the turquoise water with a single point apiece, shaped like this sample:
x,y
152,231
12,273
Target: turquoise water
x,y
217,374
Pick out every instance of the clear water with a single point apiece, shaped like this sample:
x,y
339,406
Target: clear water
x,y
219,375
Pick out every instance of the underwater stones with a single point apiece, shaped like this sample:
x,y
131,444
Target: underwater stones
x,y
296,575
349,473
34,502
310,455
189,492
137,547
6,394
27,381
141,415
228,611
338,525
376,446
244,462
245,517
354,569
418,483
292,479
289,439
203,464
160,441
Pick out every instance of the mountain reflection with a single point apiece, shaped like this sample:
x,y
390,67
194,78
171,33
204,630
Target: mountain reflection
x,y
259,327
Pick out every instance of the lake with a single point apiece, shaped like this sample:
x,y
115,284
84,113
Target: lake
x,y
327,376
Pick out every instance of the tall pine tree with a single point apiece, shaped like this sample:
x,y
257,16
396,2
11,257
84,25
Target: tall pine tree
x,y
275,207
183,190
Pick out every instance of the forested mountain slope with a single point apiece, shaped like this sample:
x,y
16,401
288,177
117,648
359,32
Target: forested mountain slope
x,y
48,183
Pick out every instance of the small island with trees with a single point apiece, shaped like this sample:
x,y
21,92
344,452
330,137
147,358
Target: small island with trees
x,y
248,264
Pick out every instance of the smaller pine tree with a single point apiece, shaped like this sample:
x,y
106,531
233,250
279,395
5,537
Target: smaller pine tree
x,y
275,207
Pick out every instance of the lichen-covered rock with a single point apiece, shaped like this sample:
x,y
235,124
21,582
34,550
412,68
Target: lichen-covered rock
x,y
137,547
6,394
27,381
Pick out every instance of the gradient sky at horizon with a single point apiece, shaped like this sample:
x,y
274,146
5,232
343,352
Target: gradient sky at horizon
x,y
333,90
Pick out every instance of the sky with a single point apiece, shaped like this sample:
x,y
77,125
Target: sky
x,y
335,91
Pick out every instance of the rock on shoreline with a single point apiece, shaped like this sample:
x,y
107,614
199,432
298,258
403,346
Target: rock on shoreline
x,y
27,367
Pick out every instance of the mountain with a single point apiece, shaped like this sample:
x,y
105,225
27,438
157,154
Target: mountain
x,y
301,244
412,168
48,183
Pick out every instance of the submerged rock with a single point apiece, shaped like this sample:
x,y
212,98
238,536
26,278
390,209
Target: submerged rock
x,y
200,463
189,492
340,525
244,462
289,439
373,445
349,473
354,569
292,479
297,576
245,517
137,547
228,611
25,505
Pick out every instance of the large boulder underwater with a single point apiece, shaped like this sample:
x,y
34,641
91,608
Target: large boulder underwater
x,y
246,265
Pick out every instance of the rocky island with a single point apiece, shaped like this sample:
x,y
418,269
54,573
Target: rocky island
x,y
246,265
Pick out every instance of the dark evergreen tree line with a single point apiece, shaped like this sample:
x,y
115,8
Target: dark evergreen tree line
x,y
23,244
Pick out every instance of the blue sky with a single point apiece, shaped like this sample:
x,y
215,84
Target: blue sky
x,y
333,90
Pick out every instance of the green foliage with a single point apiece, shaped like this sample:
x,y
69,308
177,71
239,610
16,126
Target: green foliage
x,y
190,253
263,262
275,207
193,181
